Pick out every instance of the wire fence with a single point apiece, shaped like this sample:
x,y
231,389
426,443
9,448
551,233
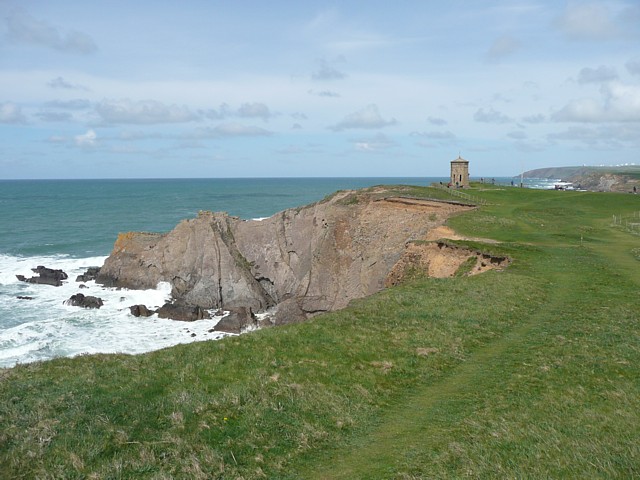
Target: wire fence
x,y
629,223
456,192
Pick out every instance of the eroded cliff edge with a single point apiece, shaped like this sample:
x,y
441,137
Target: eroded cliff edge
x,y
307,260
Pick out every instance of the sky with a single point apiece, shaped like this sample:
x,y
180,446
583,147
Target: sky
x,y
206,88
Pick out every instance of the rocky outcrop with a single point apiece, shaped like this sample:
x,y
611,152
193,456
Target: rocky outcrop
x,y
90,274
46,276
84,301
185,313
321,256
236,321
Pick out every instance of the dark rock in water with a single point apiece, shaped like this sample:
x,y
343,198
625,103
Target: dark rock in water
x,y
141,311
90,274
82,285
45,272
237,320
80,300
21,297
182,312
46,276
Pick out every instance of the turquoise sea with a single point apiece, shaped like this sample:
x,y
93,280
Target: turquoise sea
x,y
72,225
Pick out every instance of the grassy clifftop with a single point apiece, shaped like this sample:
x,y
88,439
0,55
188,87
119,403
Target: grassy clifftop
x,y
530,372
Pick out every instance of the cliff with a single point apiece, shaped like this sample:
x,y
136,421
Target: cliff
x,y
598,179
307,260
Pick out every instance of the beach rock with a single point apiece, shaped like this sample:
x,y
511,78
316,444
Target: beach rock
x,y
323,255
185,313
46,276
141,311
237,320
90,274
88,301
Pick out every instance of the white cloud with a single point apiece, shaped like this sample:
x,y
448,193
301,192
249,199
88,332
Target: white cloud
x,y
437,121
375,143
368,117
75,104
517,135
587,21
249,110
232,130
325,93
11,113
502,47
537,118
435,135
597,75
327,72
633,66
142,112
25,29
86,140
60,82
491,116
620,103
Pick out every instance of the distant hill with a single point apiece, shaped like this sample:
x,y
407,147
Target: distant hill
x,y
604,179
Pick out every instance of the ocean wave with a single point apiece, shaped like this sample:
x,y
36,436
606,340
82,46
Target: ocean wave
x,y
42,327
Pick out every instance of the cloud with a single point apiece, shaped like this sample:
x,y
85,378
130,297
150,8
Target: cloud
x,y
502,47
374,144
368,117
327,72
54,116
442,135
517,135
60,82
227,130
249,110
325,93
620,103
597,75
86,140
75,104
537,118
222,112
11,113
606,136
437,121
142,112
633,67
24,29
587,21
491,116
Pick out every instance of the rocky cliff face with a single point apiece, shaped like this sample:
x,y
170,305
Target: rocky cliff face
x,y
307,260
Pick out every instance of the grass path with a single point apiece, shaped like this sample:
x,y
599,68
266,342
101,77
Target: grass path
x,y
501,397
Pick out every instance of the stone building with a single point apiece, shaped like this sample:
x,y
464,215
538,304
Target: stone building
x,y
460,172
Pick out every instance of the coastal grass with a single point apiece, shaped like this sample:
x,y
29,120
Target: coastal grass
x,y
531,372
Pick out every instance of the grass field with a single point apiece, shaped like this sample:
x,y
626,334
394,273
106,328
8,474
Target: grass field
x,y
532,372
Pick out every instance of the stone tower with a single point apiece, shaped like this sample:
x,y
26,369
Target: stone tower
x,y
460,172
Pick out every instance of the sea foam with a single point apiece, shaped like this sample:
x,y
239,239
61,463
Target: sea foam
x,y
44,327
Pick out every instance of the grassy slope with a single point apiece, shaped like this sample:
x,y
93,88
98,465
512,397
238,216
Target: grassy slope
x,y
531,372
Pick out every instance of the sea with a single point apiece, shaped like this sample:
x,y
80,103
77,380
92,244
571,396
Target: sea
x,y
72,225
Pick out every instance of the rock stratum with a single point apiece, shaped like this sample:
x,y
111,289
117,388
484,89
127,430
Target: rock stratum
x,y
302,261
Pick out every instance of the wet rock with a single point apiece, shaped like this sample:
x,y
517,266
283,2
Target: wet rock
x,y
236,321
84,301
141,311
22,297
185,313
90,274
46,276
